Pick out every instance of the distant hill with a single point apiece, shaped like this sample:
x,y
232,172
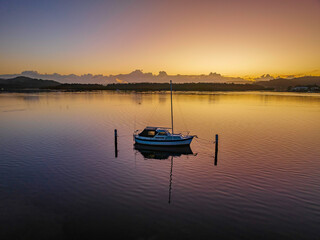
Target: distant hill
x,y
281,84
22,82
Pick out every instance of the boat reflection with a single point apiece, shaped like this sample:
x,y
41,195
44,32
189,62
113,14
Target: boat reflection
x,y
162,152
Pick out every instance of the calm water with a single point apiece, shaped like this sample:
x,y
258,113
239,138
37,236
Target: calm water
x,y
60,179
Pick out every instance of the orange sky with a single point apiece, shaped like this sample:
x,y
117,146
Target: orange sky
x,y
231,37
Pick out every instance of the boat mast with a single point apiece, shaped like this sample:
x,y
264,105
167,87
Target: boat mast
x,y
171,107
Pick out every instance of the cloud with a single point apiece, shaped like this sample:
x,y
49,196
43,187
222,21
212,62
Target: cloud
x,y
120,81
264,77
132,77
70,78
289,76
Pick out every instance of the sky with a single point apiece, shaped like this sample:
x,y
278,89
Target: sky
x,y
230,37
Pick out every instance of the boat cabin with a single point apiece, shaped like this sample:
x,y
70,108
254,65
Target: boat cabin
x,y
154,131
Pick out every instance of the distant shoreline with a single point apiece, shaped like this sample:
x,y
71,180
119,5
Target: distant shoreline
x,y
31,91
120,90
156,87
25,84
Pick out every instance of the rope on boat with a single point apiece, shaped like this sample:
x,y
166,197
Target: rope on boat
x,y
206,140
198,139
127,135
152,114
181,114
207,154
205,145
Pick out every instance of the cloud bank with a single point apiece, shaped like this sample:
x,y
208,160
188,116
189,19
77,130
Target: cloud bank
x,y
133,77
264,77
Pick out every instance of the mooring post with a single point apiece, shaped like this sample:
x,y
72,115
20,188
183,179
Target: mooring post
x,y
115,143
216,152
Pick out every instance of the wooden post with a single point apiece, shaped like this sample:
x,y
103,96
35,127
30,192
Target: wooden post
x,y
216,152
115,143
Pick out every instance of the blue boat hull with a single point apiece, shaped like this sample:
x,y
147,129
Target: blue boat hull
x,y
155,142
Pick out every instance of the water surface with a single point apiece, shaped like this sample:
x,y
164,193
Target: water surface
x,y
59,177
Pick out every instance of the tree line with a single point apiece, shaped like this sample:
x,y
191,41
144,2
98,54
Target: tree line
x,y
162,87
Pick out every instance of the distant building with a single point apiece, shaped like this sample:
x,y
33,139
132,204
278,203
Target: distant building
x,y
300,89
315,89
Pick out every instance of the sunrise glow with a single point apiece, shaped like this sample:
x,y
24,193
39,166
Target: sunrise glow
x,y
233,38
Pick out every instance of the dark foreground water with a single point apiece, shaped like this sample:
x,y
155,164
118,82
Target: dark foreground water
x,y
60,179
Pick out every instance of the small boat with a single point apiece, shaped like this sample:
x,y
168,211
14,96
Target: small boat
x,y
159,136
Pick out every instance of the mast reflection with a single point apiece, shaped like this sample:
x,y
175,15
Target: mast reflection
x,y
163,153
170,184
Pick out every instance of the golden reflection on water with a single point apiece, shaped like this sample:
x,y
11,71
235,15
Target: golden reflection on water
x,y
238,114
246,122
